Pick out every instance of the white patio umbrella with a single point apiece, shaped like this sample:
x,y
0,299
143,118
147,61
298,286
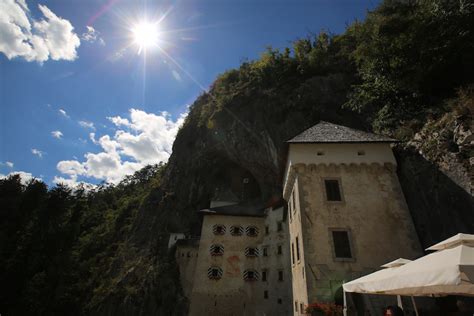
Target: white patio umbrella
x,y
448,271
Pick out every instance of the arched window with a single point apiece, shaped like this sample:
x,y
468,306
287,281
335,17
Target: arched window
x,y
251,231
236,230
218,229
217,250
250,275
251,252
214,273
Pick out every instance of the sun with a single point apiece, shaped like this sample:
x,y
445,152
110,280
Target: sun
x,y
146,35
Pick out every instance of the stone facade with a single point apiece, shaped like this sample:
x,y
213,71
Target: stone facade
x,y
364,224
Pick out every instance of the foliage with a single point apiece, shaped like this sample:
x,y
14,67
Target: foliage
x,y
57,245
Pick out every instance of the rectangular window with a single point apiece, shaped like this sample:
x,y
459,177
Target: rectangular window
x,y
264,275
280,275
265,251
279,226
297,249
280,249
265,294
267,230
302,272
333,192
296,306
342,246
280,301
302,307
293,253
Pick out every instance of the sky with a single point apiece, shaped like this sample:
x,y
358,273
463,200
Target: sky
x,y
93,90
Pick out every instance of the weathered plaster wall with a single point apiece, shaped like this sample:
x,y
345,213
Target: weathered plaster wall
x,y
230,295
186,257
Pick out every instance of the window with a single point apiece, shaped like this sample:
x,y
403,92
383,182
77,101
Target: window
x,y
214,273
217,250
251,252
279,226
342,245
279,249
267,230
265,294
302,272
301,307
333,192
250,275
280,301
236,230
218,229
264,275
297,249
251,231
280,275
320,153
296,306
265,251
360,153
293,253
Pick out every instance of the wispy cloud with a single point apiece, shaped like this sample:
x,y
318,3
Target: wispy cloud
x,y
37,152
52,37
92,36
87,124
9,164
63,113
57,134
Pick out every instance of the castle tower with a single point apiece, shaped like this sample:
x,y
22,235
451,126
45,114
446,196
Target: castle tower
x,y
347,213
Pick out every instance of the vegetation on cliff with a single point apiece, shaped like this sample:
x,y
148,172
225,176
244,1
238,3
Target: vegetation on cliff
x,y
406,69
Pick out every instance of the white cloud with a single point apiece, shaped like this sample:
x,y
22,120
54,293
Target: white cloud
x,y
117,120
25,177
9,164
63,113
149,140
35,40
57,134
176,75
87,124
37,152
92,35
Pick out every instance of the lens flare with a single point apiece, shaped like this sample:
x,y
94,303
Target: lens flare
x,y
146,35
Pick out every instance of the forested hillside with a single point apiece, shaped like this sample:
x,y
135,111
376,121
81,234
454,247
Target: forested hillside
x,y
406,71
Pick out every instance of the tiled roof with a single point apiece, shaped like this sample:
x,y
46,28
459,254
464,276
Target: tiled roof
x,y
255,209
325,132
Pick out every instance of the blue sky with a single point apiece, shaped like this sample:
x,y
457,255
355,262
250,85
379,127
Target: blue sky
x,y
79,99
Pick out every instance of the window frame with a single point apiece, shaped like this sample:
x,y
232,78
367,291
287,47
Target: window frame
x,y
325,192
333,245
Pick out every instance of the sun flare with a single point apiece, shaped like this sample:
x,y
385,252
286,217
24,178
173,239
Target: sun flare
x,y
146,35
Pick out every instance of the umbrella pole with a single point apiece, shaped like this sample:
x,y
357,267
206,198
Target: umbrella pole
x,y
414,305
399,301
344,311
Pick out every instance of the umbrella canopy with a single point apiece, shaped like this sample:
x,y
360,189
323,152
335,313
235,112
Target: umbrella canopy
x,y
446,272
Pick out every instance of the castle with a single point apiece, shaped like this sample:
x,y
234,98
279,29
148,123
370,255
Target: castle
x,y
345,215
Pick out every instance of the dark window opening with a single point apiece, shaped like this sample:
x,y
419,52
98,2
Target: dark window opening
x,y
342,246
280,250
360,153
280,275
279,226
302,272
250,275
236,230
297,249
301,307
296,306
264,275
218,229
265,294
265,251
251,252
214,273
333,192
320,153
267,230
280,301
251,231
293,253
217,250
